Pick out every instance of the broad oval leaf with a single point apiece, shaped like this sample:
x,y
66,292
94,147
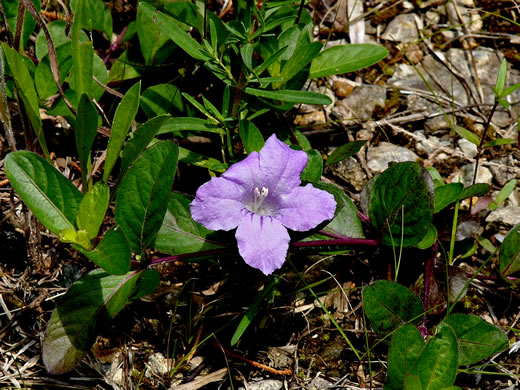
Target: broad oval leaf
x,y
389,305
52,198
476,338
401,204
142,199
291,96
346,58
179,233
437,365
406,347
123,118
85,308
112,253
446,195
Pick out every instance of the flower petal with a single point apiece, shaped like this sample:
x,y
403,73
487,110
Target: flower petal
x,y
305,208
262,242
218,204
281,166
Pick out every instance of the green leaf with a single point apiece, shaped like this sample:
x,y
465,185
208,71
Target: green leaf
x,y
189,157
344,152
446,195
154,43
437,365
25,86
406,347
142,199
389,305
501,78
112,253
346,58
429,238
86,130
498,142
179,233
103,20
147,283
246,320
170,27
478,189
477,339
509,256
190,124
162,99
91,301
291,96
251,137
43,79
314,168
139,141
52,198
401,202
92,209
11,13
300,60
82,52
123,118
504,193
470,136
346,220
436,176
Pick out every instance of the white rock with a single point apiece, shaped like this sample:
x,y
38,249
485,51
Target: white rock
x,y
267,384
507,216
468,148
157,365
378,157
403,28
465,175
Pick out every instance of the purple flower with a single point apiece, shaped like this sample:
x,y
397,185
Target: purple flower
x,y
261,195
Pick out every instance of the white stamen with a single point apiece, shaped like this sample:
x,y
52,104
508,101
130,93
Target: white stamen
x,y
260,195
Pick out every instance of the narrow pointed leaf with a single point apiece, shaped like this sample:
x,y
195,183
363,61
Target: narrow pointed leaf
x,y
85,131
141,138
346,58
344,152
123,118
90,302
52,198
251,137
27,92
92,209
253,309
142,199
170,27
291,96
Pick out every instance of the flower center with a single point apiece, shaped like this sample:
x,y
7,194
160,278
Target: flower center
x,y
259,197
